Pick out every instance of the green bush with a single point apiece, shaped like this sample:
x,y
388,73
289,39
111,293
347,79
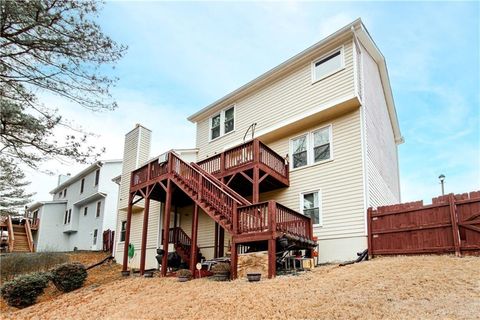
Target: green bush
x,y
24,290
69,276
15,264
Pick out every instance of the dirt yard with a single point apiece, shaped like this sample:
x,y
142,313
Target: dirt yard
x,y
422,287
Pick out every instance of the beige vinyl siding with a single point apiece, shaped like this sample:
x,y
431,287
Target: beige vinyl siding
x,y
381,149
340,180
206,230
289,95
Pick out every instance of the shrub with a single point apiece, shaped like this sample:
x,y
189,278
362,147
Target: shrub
x,y
69,276
15,264
24,290
221,267
184,273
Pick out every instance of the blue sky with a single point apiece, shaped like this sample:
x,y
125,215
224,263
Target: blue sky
x,y
183,56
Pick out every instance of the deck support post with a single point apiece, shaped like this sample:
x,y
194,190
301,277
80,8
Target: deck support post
x,y
143,253
215,242
166,226
256,185
233,260
193,248
221,242
272,261
127,232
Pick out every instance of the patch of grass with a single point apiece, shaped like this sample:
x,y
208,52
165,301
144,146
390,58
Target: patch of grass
x,y
15,264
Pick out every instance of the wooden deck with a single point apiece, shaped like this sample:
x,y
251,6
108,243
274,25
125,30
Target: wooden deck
x,y
209,186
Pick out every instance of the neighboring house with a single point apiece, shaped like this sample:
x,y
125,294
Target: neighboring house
x,y
326,135
83,206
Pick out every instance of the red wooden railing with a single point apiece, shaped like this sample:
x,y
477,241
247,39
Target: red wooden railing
x,y
253,151
11,236
272,216
28,232
234,212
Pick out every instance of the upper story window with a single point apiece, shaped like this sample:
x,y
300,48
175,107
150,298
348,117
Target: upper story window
x,y
68,216
97,177
64,192
222,123
82,185
85,211
99,205
312,147
328,65
310,204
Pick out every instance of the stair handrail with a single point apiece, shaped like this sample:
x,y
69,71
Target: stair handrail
x,y
223,186
28,231
174,154
11,236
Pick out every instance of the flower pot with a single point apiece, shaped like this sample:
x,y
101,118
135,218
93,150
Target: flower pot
x,y
183,279
254,277
221,276
126,273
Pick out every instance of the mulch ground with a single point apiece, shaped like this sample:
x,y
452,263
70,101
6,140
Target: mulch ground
x,y
103,274
419,287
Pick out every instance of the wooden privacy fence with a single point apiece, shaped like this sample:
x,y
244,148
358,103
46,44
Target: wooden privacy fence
x,y
450,224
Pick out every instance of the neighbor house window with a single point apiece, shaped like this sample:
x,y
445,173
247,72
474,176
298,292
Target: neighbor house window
x,y
99,205
310,204
327,65
222,123
69,215
85,211
95,234
97,177
64,193
312,147
66,217
82,185
123,231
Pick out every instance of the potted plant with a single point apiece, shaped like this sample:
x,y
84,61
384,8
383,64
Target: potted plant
x,y
221,271
253,276
184,275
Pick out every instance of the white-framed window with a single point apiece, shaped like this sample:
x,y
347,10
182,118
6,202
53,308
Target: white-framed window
x,y
95,235
85,211
82,185
64,192
328,64
66,217
222,123
311,206
123,231
311,147
97,177
99,206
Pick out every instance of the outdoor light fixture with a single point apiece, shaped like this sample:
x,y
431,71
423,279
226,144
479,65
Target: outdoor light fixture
x,y
442,181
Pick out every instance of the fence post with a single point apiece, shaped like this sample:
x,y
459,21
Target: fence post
x,y
454,218
369,232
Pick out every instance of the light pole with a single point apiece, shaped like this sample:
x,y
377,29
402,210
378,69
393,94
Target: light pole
x,y
442,182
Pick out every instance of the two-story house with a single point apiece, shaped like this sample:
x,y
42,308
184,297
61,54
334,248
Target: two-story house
x,y
83,206
298,153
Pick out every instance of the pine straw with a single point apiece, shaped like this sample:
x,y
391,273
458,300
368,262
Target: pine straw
x,y
423,287
255,262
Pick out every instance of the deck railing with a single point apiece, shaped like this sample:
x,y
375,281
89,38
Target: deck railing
x,y
272,216
253,151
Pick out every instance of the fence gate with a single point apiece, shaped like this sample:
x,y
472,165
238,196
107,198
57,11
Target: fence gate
x,y
108,236
450,224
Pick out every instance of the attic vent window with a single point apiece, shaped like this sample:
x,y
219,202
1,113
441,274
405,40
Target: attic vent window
x,y
328,65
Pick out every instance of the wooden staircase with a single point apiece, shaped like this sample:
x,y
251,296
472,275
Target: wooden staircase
x,y
182,243
20,237
218,200
21,240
